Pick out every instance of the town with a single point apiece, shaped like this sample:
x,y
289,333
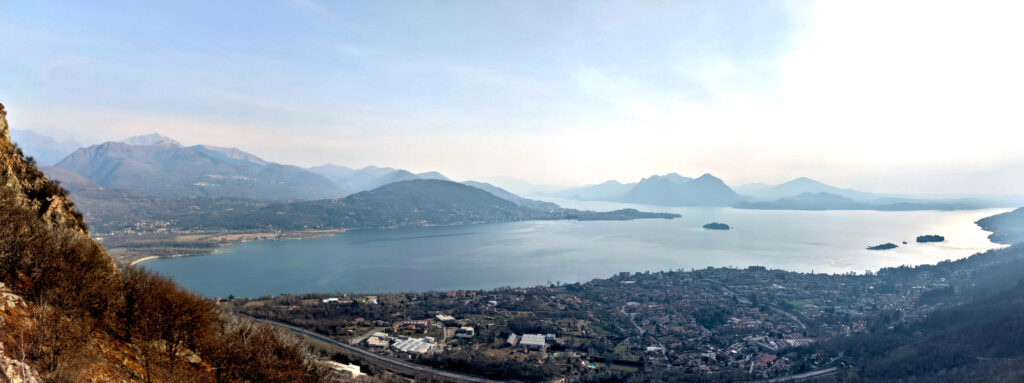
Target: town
x,y
744,324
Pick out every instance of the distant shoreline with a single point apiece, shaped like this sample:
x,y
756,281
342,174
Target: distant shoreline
x,y
140,260
135,251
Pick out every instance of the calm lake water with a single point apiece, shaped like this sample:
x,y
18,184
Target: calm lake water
x,y
532,253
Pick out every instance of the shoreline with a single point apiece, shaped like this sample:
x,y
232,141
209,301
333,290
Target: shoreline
x,y
143,259
228,239
135,251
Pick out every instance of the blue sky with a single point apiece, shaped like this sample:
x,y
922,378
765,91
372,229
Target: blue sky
x,y
909,97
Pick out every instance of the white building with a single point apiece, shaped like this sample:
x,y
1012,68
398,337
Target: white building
x,y
465,332
378,339
344,369
532,341
417,346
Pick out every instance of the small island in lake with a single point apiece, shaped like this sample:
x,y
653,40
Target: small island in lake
x,y
716,226
884,246
930,238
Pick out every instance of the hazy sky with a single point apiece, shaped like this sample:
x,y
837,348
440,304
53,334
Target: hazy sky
x,y
889,96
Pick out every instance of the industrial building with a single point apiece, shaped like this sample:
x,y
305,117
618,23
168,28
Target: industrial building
x,y
418,346
532,341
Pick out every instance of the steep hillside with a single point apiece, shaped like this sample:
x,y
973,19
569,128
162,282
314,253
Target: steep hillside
x,y
70,315
166,169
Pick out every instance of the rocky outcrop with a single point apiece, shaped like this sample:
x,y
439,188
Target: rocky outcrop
x,y
4,130
43,195
13,369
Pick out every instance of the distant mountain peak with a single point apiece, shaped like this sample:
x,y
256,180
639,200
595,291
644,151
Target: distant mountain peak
x,y
670,177
803,181
150,139
675,190
434,175
234,154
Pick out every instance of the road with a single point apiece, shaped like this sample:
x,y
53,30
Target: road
x,y
396,365
803,376
776,309
790,316
640,330
361,338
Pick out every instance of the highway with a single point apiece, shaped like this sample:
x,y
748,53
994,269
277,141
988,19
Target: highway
x,y
392,364
805,376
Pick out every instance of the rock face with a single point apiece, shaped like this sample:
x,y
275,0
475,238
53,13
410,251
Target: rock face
x,y
4,131
11,368
56,209
36,191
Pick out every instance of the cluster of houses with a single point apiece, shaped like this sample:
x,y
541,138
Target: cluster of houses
x,y
415,346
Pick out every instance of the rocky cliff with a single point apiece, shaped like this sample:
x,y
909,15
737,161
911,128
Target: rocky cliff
x,y
31,187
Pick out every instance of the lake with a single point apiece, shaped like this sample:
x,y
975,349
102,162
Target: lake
x,y
540,252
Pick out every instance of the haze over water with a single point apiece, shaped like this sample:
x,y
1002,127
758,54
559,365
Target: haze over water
x,y
541,252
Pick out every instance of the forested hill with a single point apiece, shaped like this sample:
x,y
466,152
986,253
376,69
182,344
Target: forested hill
x,y
975,334
421,202
1006,228
69,315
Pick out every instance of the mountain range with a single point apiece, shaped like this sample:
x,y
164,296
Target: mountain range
x,y
829,201
370,177
46,150
418,202
670,189
675,190
161,167
152,182
799,194
799,186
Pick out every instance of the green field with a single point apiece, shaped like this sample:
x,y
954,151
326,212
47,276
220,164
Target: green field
x,y
800,303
